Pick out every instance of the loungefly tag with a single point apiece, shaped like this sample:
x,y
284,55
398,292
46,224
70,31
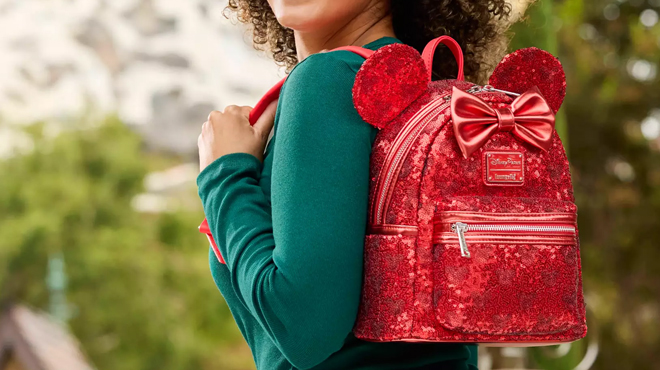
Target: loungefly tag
x,y
503,168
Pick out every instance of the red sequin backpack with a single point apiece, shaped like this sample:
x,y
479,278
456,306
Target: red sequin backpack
x,y
472,232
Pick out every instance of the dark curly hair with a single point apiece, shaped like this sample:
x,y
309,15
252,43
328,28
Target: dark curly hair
x,y
472,23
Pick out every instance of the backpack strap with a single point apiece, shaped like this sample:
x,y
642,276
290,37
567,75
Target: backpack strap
x,y
270,96
429,51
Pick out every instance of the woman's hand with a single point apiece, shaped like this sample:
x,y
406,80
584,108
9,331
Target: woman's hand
x,y
230,131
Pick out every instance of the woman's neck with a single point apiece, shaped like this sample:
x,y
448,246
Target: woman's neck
x,y
358,31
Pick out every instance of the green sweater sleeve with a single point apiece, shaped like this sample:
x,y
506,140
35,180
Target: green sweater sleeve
x,y
296,262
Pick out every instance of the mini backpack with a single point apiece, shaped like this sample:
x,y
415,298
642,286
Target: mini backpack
x,y
472,228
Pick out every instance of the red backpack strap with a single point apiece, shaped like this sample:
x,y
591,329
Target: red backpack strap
x,y
429,51
270,96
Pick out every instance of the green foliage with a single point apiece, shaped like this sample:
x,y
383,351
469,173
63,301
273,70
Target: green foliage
x,y
619,215
140,285
616,171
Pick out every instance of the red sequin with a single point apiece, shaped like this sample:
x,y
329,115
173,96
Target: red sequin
x,y
529,67
392,78
419,289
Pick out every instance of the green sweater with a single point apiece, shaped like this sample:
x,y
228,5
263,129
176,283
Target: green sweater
x,y
292,230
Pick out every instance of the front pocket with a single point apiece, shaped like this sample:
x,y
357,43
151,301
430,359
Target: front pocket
x,y
506,272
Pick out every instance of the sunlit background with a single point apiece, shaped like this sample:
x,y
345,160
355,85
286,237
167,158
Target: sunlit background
x,y
101,102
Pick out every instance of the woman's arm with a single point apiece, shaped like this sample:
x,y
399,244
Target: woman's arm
x,y
299,272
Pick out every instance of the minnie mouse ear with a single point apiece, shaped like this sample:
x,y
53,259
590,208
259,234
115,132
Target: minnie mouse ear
x,y
388,82
526,68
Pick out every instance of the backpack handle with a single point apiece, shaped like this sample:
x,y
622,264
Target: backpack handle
x,y
256,112
429,52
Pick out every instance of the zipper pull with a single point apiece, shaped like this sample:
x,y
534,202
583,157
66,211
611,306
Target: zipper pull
x,y
459,228
490,88
474,89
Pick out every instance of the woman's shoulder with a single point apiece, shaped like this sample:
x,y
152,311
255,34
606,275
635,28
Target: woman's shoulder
x,y
318,95
321,78
321,87
337,67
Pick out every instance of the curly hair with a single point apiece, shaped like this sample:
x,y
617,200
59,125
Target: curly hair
x,y
472,23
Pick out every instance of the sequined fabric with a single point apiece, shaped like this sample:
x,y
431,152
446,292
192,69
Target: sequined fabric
x,y
389,264
496,291
418,290
392,73
531,67
403,206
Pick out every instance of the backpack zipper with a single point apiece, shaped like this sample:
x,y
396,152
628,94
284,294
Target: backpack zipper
x,y
460,228
403,142
401,146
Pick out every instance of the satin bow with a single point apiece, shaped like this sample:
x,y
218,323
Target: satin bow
x,y
529,117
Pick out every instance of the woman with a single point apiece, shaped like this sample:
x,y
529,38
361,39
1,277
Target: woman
x,y
291,222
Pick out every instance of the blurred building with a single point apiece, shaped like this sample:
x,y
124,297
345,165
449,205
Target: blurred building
x,y
31,340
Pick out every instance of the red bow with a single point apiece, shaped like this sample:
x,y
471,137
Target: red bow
x,y
529,117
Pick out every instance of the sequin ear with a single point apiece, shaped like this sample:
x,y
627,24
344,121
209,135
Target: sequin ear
x,y
529,67
388,82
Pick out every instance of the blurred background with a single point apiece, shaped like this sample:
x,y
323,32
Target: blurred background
x,y
101,102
